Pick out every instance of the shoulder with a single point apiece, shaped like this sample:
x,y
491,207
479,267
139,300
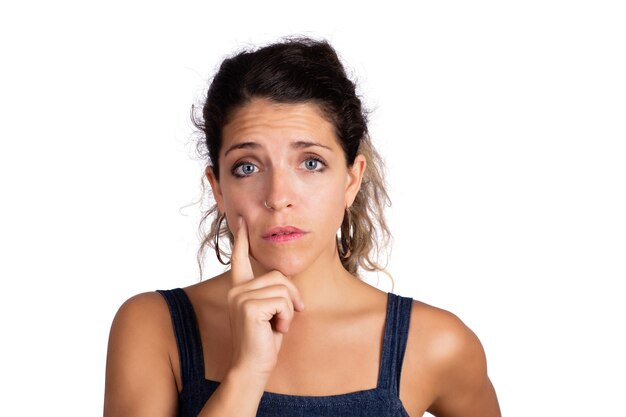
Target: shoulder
x,y
147,302
450,359
138,359
142,325
143,316
441,336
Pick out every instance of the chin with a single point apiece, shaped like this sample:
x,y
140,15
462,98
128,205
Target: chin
x,y
288,266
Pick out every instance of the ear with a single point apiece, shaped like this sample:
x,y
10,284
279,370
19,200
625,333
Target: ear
x,y
215,187
355,176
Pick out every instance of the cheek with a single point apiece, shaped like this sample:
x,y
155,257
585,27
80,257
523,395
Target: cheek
x,y
239,204
328,208
249,205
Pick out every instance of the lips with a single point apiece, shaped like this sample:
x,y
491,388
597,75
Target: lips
x,y
283,234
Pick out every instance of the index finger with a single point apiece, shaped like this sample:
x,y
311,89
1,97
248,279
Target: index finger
x,y
240,267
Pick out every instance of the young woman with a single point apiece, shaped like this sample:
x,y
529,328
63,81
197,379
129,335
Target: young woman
x,y
290,329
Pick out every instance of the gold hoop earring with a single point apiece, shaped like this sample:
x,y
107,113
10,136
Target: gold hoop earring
x,y
346,236
216,242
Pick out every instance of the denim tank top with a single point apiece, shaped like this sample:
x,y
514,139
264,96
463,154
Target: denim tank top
x,y
381,401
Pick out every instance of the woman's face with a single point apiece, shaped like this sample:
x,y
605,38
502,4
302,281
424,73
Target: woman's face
x,y
288,157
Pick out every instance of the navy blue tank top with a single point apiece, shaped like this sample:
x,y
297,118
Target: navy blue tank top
x,y
382,401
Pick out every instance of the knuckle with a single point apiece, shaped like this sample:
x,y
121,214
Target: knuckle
x,y
238,301
277,275
285,292
289,299
248,309
287,306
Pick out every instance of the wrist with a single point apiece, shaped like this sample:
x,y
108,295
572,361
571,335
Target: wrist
x,y
246,381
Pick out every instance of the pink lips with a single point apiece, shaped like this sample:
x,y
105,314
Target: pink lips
x,y
283,234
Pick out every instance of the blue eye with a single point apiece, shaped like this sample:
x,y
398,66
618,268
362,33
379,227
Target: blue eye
x,y
312,163
247,168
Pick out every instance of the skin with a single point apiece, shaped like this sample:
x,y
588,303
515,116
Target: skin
x,y
327,346
313,200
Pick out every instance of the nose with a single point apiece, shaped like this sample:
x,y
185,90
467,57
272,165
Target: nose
x,y
279,194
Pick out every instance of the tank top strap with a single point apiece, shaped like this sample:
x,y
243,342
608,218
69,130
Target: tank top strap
x,y
187,336
394,341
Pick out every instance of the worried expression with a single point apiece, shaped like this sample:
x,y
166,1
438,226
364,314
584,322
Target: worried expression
x,y
283,170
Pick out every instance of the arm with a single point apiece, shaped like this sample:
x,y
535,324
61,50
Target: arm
x,y
238,395
463,388
139,376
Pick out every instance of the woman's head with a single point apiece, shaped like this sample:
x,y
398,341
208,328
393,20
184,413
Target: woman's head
x,y
281,94
295,71
281,166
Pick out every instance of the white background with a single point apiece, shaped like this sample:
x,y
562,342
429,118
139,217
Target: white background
x,y
503,128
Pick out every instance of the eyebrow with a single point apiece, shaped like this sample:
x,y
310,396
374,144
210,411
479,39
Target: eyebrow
x,y
301,144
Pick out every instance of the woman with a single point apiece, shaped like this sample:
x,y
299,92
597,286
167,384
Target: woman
x,y
289,329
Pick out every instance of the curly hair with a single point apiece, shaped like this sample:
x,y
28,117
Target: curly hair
x,y
299,70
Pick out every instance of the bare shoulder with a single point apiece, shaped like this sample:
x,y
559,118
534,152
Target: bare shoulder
x,y
441,336
142,308
139,378
145,319
446,364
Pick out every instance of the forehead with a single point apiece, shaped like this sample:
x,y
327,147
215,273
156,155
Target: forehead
x,y
268,122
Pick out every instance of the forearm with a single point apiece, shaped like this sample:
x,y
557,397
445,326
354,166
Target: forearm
x,y
238,394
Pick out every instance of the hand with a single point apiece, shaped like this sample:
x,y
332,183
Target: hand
x,y
260,309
